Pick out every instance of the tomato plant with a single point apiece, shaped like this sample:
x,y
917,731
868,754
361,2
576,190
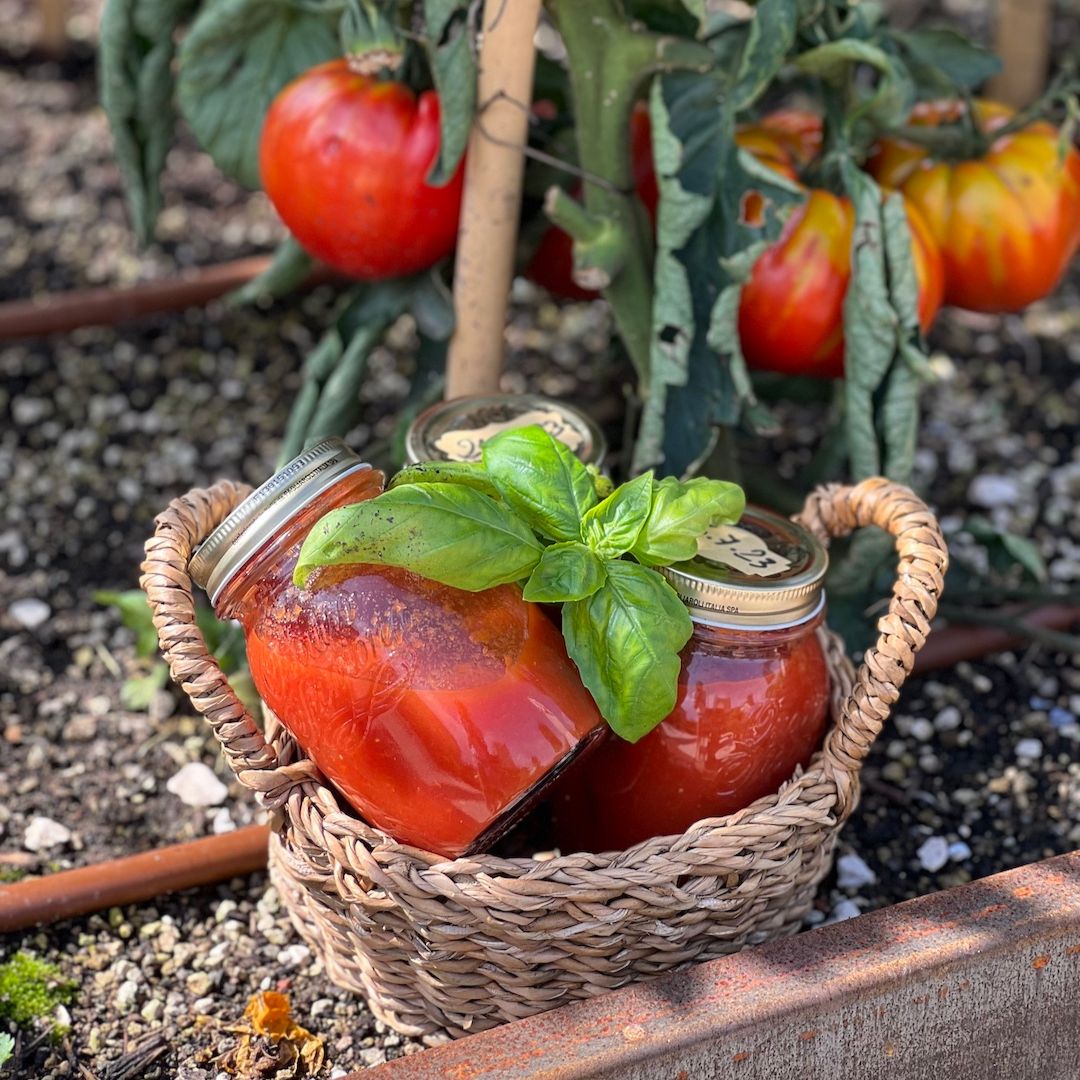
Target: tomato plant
x,y
791,311
344,159
1005,213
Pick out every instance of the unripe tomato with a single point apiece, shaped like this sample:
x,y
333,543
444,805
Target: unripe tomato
x,y
791,314
344,159
1007,223
552,263
797,132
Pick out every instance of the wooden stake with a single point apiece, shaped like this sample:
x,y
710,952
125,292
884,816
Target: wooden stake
x,y
1022,40
492,199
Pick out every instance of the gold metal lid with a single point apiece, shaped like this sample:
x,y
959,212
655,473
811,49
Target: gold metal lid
x,y
765,573
220,557
456,430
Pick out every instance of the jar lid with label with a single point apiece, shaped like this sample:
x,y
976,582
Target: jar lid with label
x,y
765,573
456,430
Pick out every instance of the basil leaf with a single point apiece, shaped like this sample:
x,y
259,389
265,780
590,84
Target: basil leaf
x,y
444,532
542,479
565,572
469,474
681,512
625,640
236,57
612,527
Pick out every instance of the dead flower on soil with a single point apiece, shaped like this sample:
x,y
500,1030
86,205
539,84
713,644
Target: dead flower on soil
x,y
272,1045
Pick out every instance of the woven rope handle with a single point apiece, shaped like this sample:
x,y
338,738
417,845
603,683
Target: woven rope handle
x,y
178,530
835,511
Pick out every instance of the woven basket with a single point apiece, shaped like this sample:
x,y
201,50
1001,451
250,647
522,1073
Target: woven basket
x,y
466,944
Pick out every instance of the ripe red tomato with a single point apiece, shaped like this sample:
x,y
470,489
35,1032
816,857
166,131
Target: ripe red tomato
x,y
344,159
1007,223
552,263
791,315
797,133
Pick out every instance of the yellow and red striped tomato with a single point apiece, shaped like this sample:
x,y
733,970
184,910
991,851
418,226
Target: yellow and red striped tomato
x,y
1007,223
791,314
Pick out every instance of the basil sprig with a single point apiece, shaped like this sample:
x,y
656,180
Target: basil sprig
x,y
531,512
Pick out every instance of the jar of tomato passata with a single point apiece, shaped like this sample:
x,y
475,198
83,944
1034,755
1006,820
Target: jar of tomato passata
x,y
752,699
438,714
456,430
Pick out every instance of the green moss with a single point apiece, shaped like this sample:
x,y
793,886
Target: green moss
x,y
31,989
10,874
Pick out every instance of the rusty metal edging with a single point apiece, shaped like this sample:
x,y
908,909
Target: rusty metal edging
x,y
978,982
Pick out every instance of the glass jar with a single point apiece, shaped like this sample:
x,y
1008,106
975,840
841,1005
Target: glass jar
x,y
456,430
438,714
752,700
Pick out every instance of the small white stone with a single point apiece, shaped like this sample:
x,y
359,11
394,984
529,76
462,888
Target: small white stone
x,y
959,851
126,995
196,785
846,909
222,822
948,719
152,1010
61,1017
853,873
922,729
934,854
293,956
991,491
1031,749
30,613
43,833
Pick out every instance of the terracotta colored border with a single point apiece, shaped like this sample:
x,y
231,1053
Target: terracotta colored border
x,y
977,982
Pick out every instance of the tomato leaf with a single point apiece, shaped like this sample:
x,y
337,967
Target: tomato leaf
x,y
135,71
625,640
236,57
869,323
329,399
944,60
696,369
135,614
450,50
566,572
288,271
542,479
1005,549
444,532
611,528
771,34
680,513
467,473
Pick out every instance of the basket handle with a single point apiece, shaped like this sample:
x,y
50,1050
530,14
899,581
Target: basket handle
x,y
835,510
178,530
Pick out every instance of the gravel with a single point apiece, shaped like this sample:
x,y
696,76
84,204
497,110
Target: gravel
x,y
977,770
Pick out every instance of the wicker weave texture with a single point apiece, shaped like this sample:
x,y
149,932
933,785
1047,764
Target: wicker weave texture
x,y
465,944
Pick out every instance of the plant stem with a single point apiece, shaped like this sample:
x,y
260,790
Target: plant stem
x,y
610,57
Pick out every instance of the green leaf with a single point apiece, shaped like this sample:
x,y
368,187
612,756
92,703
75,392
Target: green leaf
x,y
681,512
289,269
137,692
946,60
541,479
870,323
329,399
135,614
1006,549
224,639
569,571
7,1048
468,473
611,528
771,34
135,73
451,53
444,532
625,640
236,57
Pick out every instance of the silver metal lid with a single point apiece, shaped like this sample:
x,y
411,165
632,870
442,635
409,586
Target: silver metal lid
x,y
456,430
265,510
765,573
